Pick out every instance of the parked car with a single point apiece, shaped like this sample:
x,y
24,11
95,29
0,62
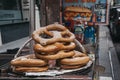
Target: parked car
x,y
114,24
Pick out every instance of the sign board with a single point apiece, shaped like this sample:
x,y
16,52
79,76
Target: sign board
x,y
81,17
95,11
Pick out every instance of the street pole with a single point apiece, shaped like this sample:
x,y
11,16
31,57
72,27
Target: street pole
x,y
32,22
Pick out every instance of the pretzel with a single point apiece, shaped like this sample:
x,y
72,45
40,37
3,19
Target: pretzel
x,y
31,69
54,47
58,55
71,67
77,59
28,61
54,33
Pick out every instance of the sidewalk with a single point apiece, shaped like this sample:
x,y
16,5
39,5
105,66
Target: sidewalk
x,y
13,44
107,56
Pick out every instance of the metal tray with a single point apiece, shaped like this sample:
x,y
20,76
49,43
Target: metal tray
x,y
55,71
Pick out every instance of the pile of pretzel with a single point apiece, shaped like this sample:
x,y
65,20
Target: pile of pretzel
x,y
52,43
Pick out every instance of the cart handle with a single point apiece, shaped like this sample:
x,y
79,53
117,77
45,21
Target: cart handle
x,y
22,47
79,45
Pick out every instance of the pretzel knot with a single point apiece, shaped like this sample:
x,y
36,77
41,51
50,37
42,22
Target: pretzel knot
x,y
76,61
54,47
52,33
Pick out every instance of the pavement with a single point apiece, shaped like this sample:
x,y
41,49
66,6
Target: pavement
x,y
107,56
13,44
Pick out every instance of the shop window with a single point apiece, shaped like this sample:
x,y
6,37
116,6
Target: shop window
x,y
13,25
8,4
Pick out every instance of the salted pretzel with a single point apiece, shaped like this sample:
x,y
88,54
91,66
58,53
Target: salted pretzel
x,y
31,69
54,32
28,61
54,47
71,67
78,59
59,55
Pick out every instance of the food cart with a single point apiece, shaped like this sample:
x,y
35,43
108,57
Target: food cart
x,y
84,73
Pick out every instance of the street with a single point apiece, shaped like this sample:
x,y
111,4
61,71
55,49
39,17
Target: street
x,y
107,56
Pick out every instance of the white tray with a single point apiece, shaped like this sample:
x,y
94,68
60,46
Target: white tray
x,y
55,72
